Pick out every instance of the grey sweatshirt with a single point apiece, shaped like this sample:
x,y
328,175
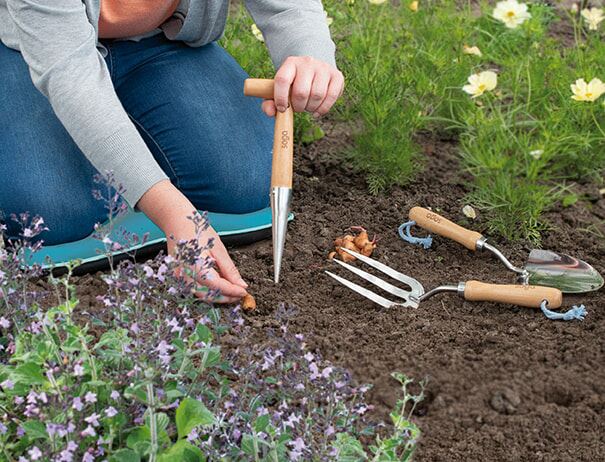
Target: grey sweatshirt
x,y
59,41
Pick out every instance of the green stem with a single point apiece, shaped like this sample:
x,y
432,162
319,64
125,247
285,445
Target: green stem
x,y
152,423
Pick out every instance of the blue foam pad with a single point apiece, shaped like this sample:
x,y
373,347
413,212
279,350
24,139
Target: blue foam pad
x,y
90,249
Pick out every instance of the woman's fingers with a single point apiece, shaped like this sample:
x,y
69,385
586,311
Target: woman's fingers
x,y
335,89
283,81
212,279
319,90
313,86
268,107
226,266
301,87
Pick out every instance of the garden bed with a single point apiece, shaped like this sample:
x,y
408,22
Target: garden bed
x,y
503,382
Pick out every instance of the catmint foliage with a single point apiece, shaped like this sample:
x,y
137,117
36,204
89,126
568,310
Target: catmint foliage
x,y
158,374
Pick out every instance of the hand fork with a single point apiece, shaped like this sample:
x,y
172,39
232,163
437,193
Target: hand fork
x,y
521,295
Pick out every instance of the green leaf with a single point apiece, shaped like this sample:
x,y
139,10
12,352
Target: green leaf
x,y
162,420
29,374
172,391
35,429
261,423
349,449
312,133
247,445
139,440
569,200
125,455
203,333
190,414
182,451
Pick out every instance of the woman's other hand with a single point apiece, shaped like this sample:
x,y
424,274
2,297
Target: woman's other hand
x,y
316,86
168,208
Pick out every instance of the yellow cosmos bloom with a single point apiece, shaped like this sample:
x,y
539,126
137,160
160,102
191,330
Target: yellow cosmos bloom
x,y
469,212
413,6
471,50
480,83
593,17
590,91
377,2
257,33
511,13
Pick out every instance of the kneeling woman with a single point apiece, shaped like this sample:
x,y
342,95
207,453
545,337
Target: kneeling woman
x,y
140,88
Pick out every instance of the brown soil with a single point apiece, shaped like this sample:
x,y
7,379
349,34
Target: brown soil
x,y
505,383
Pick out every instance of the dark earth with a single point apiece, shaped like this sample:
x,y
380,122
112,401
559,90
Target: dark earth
x,y
504,383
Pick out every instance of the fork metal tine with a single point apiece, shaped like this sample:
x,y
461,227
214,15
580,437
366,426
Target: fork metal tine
x,y
363,291
417,289
384,285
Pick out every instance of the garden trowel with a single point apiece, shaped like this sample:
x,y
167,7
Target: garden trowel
x,y
281,173
543,268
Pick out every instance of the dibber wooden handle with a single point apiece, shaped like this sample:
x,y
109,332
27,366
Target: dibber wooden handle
x,y
530,296
261,88
283,149
435,223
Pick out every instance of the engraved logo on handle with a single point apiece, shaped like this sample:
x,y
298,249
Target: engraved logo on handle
x,y
433,217
284,139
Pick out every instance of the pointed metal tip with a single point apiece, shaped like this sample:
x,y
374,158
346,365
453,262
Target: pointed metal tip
x,y
276,274
280,207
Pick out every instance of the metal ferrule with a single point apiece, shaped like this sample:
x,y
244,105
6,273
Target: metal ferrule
x,y
280,208
437,290
523,273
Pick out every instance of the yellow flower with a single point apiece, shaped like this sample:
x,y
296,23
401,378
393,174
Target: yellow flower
x,y
593,17
511,13
480,83
590,91
469,212
413,6
329,20
257,33
471,50
377,2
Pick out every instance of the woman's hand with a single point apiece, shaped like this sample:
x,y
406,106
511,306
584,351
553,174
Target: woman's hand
x,y
316,86
168,208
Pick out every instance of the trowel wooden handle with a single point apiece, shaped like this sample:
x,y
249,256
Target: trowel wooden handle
x,y
283,149
261,88
530,296
435,223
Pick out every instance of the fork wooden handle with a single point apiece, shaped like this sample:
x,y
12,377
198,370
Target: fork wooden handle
x,y
530,296
435,223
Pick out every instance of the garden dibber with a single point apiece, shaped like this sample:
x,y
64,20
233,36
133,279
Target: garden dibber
x,y
281,172
543,267
520,295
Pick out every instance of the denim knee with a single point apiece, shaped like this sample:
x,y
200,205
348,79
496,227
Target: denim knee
x,y
237,178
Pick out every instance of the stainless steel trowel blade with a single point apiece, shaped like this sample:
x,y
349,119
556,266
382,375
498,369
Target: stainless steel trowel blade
x,y
568,274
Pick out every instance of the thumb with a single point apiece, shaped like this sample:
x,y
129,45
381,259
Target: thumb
x,y
268,107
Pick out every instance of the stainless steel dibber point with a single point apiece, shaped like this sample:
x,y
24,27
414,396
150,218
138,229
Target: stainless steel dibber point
x,y
280,209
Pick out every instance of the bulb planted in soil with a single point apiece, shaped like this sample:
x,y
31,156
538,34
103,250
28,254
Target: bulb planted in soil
x,y
248,303
359,243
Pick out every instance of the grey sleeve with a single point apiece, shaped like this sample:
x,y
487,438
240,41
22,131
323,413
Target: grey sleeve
x,y
59,45
293,28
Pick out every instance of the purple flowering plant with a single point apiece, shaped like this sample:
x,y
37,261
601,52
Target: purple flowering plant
x,y
162,375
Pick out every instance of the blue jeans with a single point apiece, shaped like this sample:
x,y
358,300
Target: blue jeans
x,y
212,141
